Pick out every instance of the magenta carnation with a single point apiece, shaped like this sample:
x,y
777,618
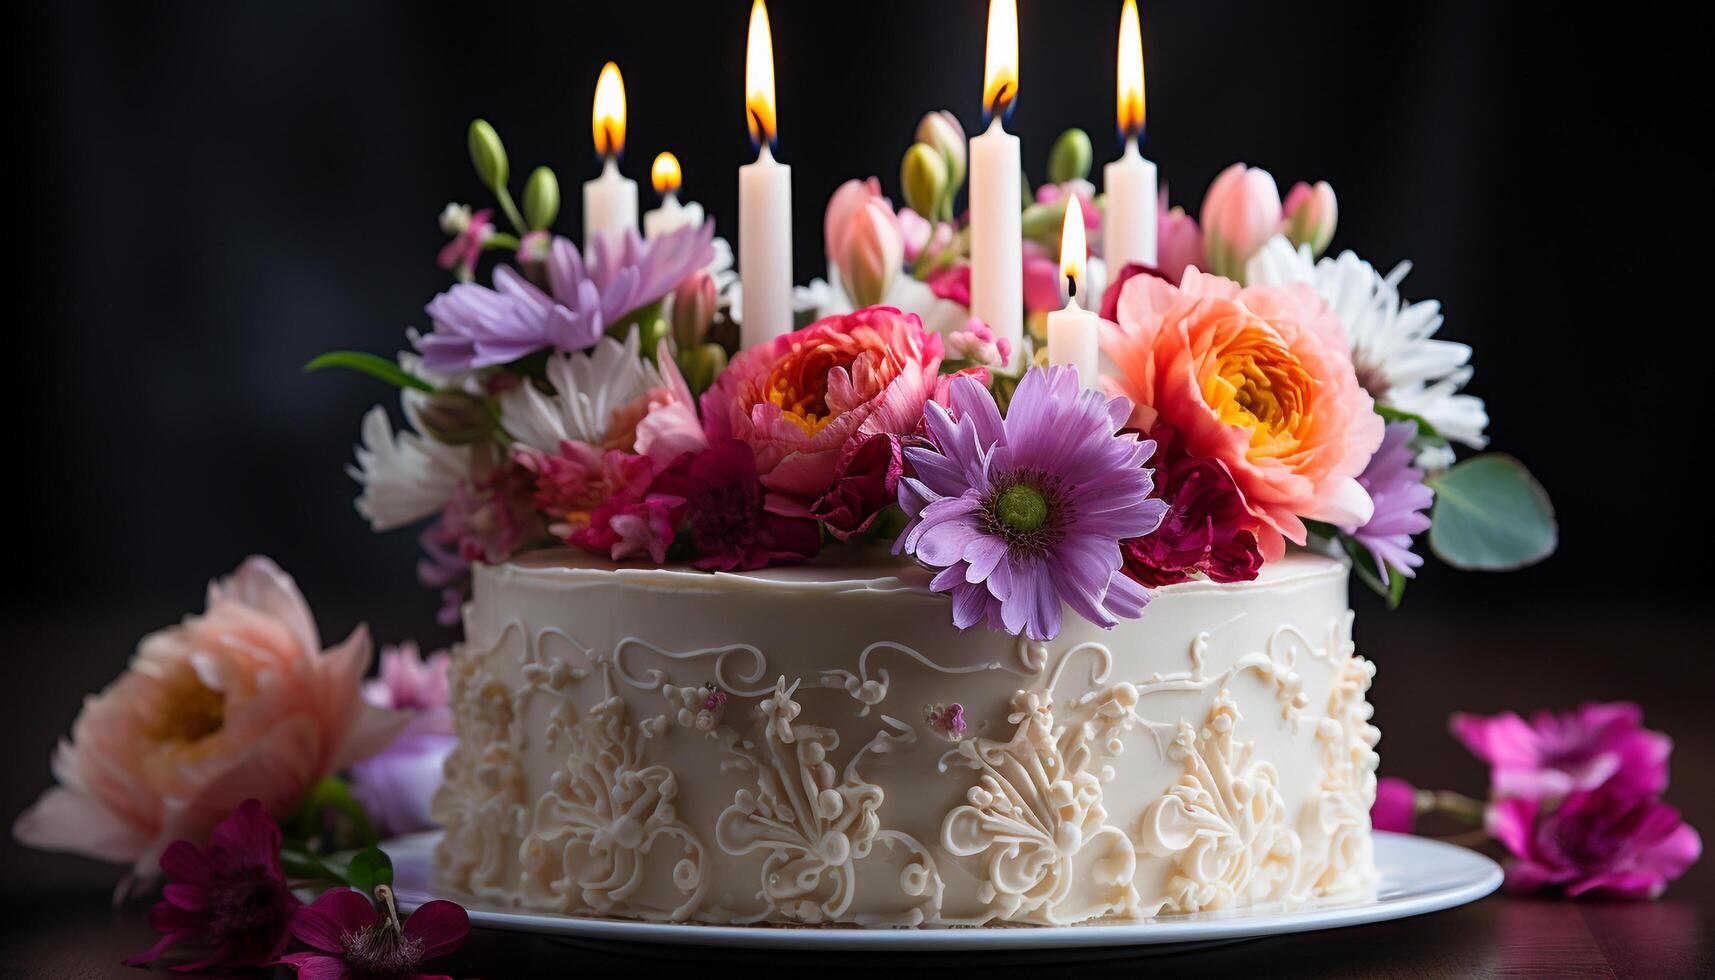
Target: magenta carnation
x,y
1207,530
1401,501
1025,514
1557,753
724,508
349,937
1604,843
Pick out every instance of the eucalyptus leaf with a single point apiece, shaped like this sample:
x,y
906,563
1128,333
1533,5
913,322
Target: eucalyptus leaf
x,y
375,366
1491,515
368,868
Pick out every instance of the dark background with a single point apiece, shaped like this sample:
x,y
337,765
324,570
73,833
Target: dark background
x,y
209,194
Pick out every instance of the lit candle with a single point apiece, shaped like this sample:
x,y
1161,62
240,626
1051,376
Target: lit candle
x,y
764,201
1072,331
610,201
1128,228
997,253
671,215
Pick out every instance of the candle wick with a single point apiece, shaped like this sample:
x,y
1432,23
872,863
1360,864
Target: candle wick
x,y
1071,286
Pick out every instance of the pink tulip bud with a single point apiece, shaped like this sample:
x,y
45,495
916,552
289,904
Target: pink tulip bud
x,y
1311,214
941,130
1241,211
1179,243
694,301
841,217
874,253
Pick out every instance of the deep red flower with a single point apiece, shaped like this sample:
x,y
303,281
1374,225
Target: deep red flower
x,y
231,896
1207,529
866,483
351,938
724,507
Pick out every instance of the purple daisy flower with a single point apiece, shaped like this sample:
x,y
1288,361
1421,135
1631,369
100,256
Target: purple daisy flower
x,y
1026,513
1400,497
477,327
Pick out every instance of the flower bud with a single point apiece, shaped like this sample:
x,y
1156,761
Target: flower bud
x,y
455,218
942,132
1070,157
1311,213
456,417
541,198
923,174
694,302
700,365
1241,211
875,252
487,154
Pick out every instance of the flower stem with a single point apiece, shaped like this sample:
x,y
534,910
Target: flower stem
x,y
1456,805
504,196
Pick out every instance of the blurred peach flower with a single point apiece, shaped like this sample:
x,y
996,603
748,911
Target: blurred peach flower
x,y
1260,379
239,702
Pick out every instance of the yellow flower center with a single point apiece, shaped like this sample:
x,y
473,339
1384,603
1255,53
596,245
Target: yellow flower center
x,y
192,712
1260,385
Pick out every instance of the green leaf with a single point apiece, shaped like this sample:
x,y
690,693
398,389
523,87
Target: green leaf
x,y
303,865
1491,515
368,868
376,367
1364,563
1424,429
332,794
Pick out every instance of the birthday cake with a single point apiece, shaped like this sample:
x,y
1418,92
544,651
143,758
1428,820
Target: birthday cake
x,y
1000,578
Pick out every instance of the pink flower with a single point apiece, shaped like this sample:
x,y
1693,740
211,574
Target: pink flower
x,y
1041,280
629,524
1085,192
1558,753
1260,379
798,400
1395,807
867,484
351,938
864,240
470,232
1311,213
408,682
844,207
231,896
953,283
724,506
920,235
1604,843
670,428
1241,211
1178,243
979,345
396,784
239,702
1207,530
491,522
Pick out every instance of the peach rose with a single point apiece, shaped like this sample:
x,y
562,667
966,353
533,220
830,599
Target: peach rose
x,y
1260,379
236,703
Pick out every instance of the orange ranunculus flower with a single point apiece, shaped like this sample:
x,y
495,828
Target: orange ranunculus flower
x,y
1258,378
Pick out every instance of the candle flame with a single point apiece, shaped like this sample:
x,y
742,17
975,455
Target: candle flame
x,y
1131,101
665,174
759,106
1000,62
607,119
1072,245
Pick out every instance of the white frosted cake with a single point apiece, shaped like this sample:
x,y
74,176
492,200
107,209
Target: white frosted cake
x,y
818,744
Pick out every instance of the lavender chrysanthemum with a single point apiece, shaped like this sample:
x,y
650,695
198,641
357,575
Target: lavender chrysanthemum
x,y
476,326
1024,514
1401,498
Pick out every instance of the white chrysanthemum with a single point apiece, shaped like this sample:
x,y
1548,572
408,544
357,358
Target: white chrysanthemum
x,y
588,389
1394,350
406,476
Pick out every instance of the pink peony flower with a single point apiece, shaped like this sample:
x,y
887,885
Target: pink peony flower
x,y
396,784
350,938
867,484
231,896
1558,753
1395,807
1260,379
1207,530
239,702
724,505
1241,211
1604,843
798,400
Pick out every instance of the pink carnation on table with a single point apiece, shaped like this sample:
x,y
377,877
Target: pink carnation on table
x,y
1603,843
798,400
1395,807
236,703
1296,441
1558,753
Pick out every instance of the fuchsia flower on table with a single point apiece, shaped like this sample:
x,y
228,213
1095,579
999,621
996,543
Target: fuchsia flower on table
x,y
1401,500
1555,754
1606,842
1025,513
1395,808
230,896
396,784
351,938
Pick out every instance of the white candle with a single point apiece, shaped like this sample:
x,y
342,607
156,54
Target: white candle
x,y
1072,331
610,201
671,215
764,202
1128,228
997,255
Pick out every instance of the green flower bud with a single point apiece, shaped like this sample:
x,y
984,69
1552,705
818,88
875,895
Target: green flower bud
x,y
541,198
1070,158
941,130
487,154
923,173
700,366
456,417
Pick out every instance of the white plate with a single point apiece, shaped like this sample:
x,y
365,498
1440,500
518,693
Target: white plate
x,y
1418,875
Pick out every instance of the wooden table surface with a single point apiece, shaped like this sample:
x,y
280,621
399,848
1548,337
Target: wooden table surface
x,y
55,919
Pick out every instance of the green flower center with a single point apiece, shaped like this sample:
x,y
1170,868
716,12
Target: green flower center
x,y
1021,508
